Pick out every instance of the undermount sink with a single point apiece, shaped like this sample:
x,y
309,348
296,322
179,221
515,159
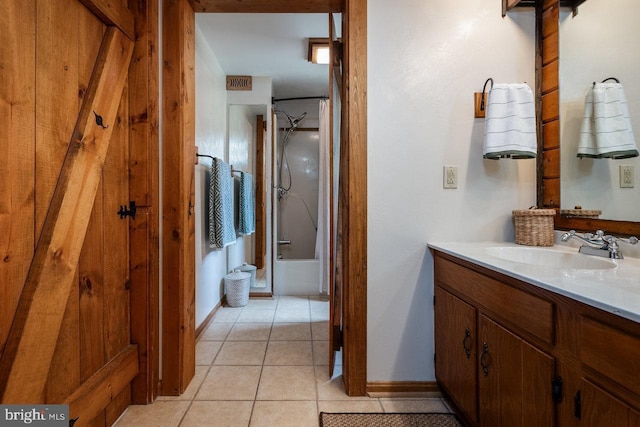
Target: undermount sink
x,y
551,258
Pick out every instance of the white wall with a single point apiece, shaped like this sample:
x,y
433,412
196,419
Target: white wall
x,y
600,42
425,61
211,125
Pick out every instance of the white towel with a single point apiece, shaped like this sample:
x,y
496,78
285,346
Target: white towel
x,y
221,229
247,220
510,123
606,127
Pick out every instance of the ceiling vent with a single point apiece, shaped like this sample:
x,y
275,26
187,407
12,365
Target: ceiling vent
x,y
239,82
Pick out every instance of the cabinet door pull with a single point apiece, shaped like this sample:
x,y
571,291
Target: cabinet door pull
x,y
485,352
466,342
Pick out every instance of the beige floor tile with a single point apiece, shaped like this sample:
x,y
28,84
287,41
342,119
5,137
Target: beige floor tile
x,y
293,303
321,352
292,316
285,414
413,405
320,331
194,385
227,314
230,383
158,414
206,351
289,353
287,383
256,316
372,405
218,414
216,331
290,332
241,353
333,388
262,303
250,332
317,304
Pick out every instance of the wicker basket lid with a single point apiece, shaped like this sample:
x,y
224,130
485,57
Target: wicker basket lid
x,y
581,212
534,212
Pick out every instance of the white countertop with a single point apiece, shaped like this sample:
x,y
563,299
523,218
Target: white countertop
x,y
616,290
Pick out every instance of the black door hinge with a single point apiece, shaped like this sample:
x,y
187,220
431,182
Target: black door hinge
x,y
577,405
556,389
434,300
124,212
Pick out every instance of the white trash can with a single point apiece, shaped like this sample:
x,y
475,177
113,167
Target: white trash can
x,y
251,269
236,287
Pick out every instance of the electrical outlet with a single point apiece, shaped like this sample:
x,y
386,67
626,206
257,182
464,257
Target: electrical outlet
x,y
626,176
450,177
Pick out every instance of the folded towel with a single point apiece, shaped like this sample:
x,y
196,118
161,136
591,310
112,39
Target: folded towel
x,y
247,218
606,127
221,230
510,123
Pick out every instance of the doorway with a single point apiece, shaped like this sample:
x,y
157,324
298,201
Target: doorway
x,y
179,113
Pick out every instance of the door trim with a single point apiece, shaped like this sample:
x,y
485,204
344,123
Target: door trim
x,y
355,220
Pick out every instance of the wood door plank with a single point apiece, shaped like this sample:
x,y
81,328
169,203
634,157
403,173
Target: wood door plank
x,y
17,151
116,241
272,6
34,332
104,386
113,12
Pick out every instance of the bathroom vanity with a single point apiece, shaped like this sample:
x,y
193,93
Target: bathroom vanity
x,y
536,336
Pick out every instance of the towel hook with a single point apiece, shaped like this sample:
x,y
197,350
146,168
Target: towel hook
x,y
607,79
484,88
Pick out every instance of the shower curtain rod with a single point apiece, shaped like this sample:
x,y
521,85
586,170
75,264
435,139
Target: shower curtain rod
x,y
273,100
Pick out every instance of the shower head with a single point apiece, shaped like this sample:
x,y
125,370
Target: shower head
x,y
294,121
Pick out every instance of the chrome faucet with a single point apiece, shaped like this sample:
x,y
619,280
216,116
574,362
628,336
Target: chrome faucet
x,y
599,244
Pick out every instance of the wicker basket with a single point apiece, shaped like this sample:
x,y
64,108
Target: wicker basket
x,y
236,286
534,227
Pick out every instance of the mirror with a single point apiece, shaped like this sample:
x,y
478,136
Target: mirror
x,y
597,43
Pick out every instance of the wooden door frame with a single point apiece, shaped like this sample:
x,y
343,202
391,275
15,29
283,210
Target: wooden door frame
x,y
178,16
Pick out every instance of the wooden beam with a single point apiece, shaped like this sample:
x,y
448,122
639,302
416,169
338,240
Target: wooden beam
x,y
354,226
178,246
32,339
113,12
95,394
272,6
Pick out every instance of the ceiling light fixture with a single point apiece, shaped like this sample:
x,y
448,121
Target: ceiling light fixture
x,y
318,52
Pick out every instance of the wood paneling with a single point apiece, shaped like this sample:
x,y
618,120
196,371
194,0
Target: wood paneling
x,y
550,106
272,6
550,76
17,152
32,339
551,134
551,163
178,348
354,221
144,190
106,384
113,13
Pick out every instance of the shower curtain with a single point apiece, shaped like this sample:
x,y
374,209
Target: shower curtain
x,y
322,238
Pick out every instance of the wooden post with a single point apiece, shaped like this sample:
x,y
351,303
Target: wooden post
x,y
34,332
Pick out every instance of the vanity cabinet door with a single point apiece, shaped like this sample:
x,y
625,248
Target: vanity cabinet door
x,y
455,341
514,379
600,409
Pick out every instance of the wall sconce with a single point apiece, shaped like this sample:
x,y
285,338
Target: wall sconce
x,y
318,52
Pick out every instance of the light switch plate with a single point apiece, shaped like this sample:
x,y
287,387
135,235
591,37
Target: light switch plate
x,y
626,176
450,177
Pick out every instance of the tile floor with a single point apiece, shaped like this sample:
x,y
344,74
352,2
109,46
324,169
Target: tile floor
x,y
266,364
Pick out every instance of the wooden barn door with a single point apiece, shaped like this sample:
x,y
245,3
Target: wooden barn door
x,y
64,250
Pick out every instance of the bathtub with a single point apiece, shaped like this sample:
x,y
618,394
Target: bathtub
x,y
296,277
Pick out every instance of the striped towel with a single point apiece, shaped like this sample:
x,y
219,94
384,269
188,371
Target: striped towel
x,y
510,123
221,230
247,215
606,127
